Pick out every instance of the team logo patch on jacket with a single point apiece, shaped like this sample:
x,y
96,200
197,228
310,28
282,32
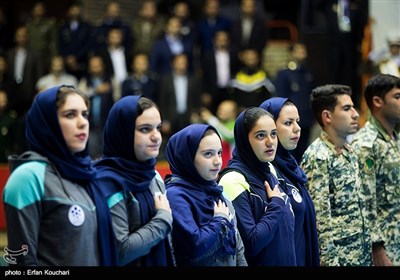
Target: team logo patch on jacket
x,y
76,215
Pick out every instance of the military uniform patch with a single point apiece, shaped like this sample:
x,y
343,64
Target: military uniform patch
x,y
369,166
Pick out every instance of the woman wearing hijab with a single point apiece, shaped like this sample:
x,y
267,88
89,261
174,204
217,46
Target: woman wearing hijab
x,y
204,228
135,192
54,215
305,230
264,213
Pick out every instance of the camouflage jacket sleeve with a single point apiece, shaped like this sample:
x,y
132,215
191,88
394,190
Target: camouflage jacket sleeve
x,y
372,154
366,163
316,165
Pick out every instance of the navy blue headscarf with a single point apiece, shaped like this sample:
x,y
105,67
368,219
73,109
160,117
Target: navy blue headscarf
x,y
292,172
119,169
245,160
44,136
180,153
119,154
286,163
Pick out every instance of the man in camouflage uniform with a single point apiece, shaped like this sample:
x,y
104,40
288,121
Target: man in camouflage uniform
x,y
333,176
378,147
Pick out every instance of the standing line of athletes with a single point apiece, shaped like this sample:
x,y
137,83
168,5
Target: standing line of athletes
x,y
338,207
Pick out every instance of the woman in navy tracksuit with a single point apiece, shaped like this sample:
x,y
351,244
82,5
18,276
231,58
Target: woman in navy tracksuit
x,y
204,228
305,228
264,213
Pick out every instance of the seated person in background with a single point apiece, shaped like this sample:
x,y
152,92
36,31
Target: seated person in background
x,y
386,60
141,81
8,127
224,122
56,76
296,82
98,86
250,86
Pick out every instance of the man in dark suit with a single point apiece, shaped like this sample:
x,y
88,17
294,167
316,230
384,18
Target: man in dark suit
x,y
346,20
170,44
249,30
72,40
219,65
180,96
26,67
